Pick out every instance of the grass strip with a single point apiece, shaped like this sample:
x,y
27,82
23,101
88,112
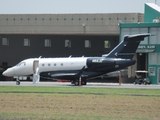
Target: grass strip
x,y
37,106
77,90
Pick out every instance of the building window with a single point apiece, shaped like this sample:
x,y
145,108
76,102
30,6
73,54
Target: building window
x,y
26,42
154,58
47,43
67,43
87,44
5,41
106,44
156,35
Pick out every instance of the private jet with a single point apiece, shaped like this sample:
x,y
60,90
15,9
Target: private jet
x,y
78,69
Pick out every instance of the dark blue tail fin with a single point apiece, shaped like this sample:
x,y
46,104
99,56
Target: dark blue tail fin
x,y
127,48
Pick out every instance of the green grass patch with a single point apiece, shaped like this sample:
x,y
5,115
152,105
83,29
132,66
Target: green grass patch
x,y
77,90
78,103
38,106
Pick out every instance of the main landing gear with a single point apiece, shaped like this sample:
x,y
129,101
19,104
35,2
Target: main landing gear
x,y
79,82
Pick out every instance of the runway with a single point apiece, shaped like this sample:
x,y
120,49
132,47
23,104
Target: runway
x,y
68,84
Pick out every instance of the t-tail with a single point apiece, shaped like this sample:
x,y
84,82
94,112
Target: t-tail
x,y
127,48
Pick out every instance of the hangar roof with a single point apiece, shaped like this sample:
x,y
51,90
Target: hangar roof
x,y
154,6
101,23
152,11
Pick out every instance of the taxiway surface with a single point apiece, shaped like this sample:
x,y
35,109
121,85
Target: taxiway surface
x,y
68,84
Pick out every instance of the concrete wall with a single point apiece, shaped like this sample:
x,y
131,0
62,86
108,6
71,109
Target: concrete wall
x,y
65,23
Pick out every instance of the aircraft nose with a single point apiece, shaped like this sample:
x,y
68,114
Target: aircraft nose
x,y
9,72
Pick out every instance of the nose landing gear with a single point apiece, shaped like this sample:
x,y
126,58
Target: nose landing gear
x,y
18,82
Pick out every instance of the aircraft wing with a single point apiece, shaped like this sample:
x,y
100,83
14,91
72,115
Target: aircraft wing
x,y
63,74
67,74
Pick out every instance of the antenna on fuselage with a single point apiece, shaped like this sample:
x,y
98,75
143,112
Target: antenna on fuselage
x,y
70,56
40,57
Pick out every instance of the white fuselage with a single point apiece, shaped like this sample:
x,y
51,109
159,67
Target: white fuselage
x,y
25,67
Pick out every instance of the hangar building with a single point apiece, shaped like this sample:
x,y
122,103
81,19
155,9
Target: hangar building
x,y
148,53
57,35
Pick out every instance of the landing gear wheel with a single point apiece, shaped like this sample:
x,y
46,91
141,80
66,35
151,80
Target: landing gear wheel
x,y
84,82
145,83
17,82
77,83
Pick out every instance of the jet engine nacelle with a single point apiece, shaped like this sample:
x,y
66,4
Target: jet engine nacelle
x,y
100,64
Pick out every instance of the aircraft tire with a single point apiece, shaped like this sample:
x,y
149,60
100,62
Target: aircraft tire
x,y
17,82
77,83
84,82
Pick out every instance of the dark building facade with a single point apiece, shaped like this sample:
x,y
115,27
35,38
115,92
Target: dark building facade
x,y
59,35
20,47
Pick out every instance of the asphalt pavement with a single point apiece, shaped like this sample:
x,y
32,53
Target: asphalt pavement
x,y
89,84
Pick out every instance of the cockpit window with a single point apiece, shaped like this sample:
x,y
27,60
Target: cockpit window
x,y
21,64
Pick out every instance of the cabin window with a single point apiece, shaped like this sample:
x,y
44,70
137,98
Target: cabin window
x,y
67,43
87,44
54,64
43,65
5,41
106,44
47,43
26,42
49,64
61,64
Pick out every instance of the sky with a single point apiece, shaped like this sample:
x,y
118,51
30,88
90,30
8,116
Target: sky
x,y
72,6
